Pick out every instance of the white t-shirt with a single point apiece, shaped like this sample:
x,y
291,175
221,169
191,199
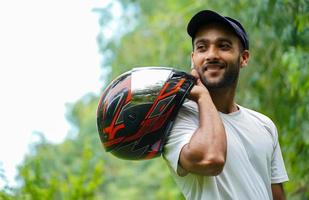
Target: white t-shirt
x,y
253,162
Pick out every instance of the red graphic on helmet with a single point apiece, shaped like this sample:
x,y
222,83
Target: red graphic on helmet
x,y
137,129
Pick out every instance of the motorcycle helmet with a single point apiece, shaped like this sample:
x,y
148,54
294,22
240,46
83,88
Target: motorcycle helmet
x,y
137,109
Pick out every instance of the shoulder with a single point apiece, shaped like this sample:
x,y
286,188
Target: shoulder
x,y
188,111
261,119
184,125
187,116
180,134
258,116
189,106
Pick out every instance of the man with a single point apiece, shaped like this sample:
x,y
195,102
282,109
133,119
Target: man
x,y
218,149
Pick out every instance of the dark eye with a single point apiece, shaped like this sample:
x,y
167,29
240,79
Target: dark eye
x,y
201,47
225,46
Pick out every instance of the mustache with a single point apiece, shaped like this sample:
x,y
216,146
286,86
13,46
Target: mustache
x,y
213,63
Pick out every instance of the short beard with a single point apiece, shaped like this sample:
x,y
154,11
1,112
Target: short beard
x,y
229,79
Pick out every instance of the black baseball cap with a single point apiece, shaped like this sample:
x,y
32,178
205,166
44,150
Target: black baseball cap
x,y
207,16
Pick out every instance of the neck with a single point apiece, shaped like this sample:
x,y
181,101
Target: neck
x,y
223,99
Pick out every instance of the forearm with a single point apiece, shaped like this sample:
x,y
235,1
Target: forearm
x,y
278,191
206,152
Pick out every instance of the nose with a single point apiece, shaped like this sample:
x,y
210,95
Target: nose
x,y
212,53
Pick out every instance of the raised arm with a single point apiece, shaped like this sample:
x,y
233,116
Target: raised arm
x,y
205,154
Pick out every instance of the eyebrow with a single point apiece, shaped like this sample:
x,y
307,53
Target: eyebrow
x,y
224,40
220,39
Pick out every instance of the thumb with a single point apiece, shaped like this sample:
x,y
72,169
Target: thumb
x,y
195,73
197,76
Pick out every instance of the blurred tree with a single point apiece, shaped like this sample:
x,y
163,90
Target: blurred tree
x,y
5,193
276,81
66,171
280,82
152,33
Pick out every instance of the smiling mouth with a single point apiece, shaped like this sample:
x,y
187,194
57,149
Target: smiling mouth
x,y
213,67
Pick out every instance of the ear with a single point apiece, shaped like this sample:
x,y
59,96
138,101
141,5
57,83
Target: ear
x,y
244,59
192,61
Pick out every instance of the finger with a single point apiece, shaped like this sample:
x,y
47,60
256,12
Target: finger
x,y
199,82
195,73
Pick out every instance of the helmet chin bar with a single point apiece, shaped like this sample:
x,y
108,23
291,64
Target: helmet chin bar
x,y
138,108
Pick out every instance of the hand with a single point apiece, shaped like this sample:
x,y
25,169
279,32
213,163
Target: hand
x,y
199,89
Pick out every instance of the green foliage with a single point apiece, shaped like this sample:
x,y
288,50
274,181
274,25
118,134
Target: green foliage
x,y
5,196
152,33
61,172
276,81
6,193
281,84
79,168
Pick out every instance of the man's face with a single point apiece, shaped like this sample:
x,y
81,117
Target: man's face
x,y
216,56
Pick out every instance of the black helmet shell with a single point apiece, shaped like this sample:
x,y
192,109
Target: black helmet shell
x,y
137,110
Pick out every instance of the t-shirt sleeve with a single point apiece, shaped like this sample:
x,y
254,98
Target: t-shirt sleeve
x,y
184,126
278,171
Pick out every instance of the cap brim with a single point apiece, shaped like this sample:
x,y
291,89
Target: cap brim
x,y
207,16
202,18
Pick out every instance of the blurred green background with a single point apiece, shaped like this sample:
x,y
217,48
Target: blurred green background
x,y
153,33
